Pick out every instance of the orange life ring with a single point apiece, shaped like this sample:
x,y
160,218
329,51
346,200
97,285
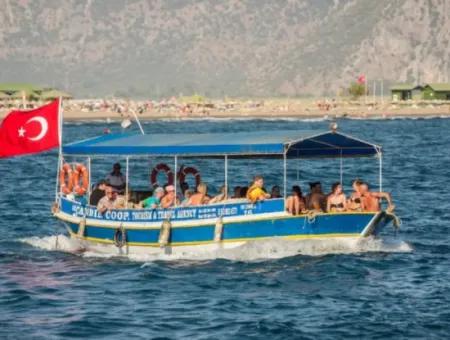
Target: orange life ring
x,y
80,172
154,175
190,171
66,179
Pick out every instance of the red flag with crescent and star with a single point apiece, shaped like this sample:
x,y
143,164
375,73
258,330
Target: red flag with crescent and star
x,y
29,132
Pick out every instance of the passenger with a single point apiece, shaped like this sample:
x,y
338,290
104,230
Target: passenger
x,y
97,193
153,201
237,192
108,201
295,204
372,199
116,179
201,196
256,192
169,199
187,195
275,192
222,196
316,200
243,192
355,202
336,201
121,202
183,188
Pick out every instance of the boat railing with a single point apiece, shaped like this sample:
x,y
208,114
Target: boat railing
x,y
228,208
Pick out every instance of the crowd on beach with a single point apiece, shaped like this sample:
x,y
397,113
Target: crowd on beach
x,y
198,106
179,106
110,194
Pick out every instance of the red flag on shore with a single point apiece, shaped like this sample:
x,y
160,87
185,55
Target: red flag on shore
x,y
28,132
361,79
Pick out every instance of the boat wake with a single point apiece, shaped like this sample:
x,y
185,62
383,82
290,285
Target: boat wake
x,y
247,251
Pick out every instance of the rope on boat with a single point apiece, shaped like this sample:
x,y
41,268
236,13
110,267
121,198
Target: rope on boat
x,y
311,216
120,237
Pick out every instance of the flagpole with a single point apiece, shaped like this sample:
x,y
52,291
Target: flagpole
x,y
60,160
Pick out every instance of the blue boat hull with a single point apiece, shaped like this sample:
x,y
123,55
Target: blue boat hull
x,y
261,223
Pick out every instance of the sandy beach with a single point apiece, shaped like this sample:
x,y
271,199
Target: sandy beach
x,y
266,108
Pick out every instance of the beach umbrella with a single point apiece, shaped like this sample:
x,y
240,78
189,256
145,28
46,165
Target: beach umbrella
x,y
4,96
53,94
28,94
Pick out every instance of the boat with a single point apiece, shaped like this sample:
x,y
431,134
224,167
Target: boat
x,y
227,224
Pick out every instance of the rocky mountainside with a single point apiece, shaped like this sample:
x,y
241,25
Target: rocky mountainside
x,y
230,47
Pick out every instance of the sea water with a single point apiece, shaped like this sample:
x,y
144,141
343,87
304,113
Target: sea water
x,y
396,286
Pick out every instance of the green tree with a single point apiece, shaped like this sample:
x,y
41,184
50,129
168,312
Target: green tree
x,y
356,90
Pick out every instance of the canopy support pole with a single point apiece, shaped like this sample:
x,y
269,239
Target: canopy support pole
x,y
58,169
175,178
341,178
380,159
126,181
226,176
284,175
89,179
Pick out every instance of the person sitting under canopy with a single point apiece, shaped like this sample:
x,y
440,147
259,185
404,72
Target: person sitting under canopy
x,y
98,193
372,199
201,196
116,179
295,204
336,200
108,202
221,196
153,201
256,192
169,199
316,200
275,192
355,201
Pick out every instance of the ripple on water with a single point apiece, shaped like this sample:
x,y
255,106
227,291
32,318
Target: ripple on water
x,y
397,287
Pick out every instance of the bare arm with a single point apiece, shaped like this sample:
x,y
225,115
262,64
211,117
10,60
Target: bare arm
x,y
344,202
101,208
387,196
328,203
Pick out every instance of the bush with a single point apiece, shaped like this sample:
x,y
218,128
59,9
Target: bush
x,y
356,90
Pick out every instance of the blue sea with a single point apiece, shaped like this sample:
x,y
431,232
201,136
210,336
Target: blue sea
x,y
394,287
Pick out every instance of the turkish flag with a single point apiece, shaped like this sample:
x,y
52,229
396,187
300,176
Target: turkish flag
x,y
361,79
28,132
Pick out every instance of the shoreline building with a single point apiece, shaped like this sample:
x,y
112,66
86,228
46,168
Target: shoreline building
x,y
430,91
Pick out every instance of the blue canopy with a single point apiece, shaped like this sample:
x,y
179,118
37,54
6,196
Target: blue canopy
x,y
274,144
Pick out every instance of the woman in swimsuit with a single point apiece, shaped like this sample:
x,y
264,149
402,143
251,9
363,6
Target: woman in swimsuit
x,y
336,201
295,204
201,196
355,202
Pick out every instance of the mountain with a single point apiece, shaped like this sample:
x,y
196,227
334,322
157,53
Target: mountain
x,y
148,48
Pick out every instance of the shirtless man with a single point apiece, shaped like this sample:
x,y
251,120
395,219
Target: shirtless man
x,y
371,200
169,199
316,200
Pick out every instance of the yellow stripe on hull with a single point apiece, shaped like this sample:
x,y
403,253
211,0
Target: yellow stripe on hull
x,y
177,244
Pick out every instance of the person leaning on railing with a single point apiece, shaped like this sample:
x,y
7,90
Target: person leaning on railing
x,y
256,192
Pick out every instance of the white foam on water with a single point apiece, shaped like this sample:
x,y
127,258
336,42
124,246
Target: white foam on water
x,y
55,243
275,248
